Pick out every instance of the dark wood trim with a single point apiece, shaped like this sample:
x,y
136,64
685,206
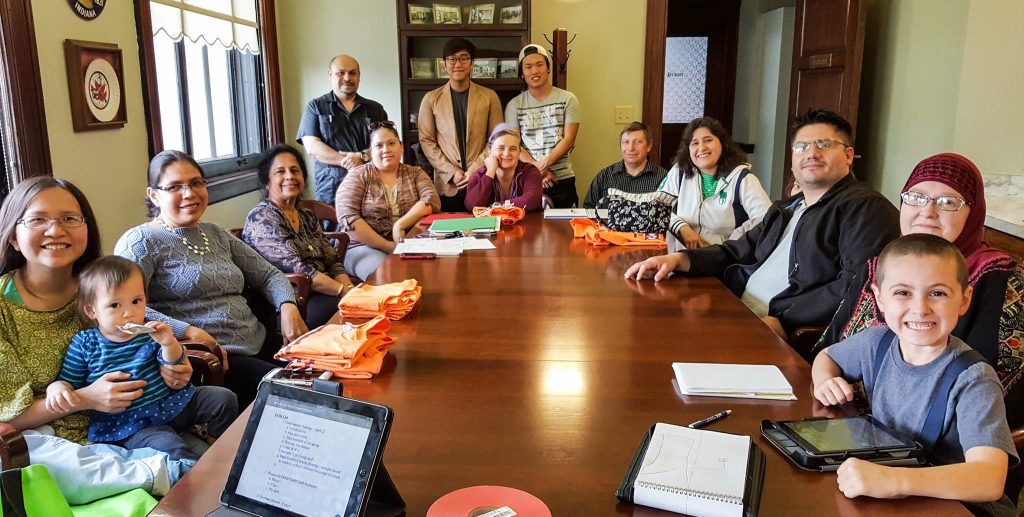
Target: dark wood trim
x,y
271,70
26,116
560,42
1009,243
147,63
654,72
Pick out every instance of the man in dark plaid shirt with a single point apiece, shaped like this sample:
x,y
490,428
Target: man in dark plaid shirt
x,y
634,173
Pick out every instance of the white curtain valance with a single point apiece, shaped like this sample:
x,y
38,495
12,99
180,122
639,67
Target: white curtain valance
x,y
230,23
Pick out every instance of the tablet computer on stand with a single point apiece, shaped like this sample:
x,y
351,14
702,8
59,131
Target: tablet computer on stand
x,y
309,453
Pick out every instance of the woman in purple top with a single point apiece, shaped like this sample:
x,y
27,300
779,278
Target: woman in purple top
x,y
504,178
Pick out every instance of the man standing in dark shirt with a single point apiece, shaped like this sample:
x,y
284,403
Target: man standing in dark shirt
x,y
335,127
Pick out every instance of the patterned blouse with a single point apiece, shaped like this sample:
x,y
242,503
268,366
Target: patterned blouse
x,y
363,196
32,348
304,251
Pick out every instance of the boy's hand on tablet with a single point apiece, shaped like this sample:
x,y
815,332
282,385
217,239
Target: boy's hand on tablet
x,y
833,391
857,477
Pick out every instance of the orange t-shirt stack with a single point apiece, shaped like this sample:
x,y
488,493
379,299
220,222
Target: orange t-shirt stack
x,y
598,235
392,300
348,351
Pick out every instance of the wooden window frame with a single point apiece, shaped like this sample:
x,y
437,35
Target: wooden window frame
x,y
238,182
27,147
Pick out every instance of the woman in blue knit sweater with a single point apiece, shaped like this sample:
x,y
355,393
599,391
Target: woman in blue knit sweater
x,y
195,273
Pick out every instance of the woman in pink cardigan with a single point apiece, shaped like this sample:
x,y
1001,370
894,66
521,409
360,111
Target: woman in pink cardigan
x,y
504,178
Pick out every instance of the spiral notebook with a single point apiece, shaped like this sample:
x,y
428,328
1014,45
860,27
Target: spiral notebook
x,y
695,472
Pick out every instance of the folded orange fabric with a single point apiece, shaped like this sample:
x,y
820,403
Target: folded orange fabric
x,y
393,300
598,235
348,351
509,214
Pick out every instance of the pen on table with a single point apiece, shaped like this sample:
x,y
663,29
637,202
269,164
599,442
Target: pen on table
x,y
710,420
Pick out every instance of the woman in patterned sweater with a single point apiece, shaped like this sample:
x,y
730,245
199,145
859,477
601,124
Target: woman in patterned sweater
x,y
290,237
945,196
195,273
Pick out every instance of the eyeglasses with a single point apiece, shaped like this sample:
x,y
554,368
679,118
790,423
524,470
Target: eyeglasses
x,y
451,60
174,188
42,223
946,203
384,123
822,144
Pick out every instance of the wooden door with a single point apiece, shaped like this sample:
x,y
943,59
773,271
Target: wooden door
x,y
717,20
828,50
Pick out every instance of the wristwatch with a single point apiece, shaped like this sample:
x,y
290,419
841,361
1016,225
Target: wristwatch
x,y
363,157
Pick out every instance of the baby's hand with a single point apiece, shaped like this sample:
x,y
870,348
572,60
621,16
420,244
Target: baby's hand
x,y
61,398
162,333
833,392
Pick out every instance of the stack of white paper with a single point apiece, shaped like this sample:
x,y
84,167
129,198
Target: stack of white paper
x,y
443,247
753,381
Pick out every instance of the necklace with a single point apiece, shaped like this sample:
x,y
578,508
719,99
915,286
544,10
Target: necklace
x,y
198,250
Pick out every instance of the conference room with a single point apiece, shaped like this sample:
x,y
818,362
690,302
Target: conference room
x,y
535,365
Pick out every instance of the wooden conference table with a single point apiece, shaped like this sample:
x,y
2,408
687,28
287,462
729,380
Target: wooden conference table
x,y
537,366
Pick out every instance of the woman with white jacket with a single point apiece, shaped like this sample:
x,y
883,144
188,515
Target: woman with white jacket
x,y
716,194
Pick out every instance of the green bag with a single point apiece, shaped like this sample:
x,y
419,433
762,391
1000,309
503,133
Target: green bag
x,y
31,492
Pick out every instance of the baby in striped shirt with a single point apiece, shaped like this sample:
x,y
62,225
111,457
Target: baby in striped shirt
x,y
112,295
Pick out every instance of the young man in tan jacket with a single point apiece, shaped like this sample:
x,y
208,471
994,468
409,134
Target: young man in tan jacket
x,y
454,121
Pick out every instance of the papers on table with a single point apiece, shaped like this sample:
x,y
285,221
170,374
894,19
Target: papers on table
x,y
573,213
752,381
443,247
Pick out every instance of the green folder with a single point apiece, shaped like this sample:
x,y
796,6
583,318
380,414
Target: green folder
x,y
472,224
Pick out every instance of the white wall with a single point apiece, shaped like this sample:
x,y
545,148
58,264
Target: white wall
x,y
770,149
990,104
605,69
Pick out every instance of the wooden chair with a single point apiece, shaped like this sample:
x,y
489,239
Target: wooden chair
x,y
803,340
300,282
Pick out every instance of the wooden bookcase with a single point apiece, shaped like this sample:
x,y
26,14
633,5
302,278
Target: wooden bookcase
x,y
425,42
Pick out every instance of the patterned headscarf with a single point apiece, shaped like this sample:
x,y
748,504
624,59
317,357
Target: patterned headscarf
x,y
962,175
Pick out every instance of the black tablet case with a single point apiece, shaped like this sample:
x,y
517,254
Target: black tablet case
x,y
751,493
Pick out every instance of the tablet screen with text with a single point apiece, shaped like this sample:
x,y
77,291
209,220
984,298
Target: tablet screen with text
x,y
304,458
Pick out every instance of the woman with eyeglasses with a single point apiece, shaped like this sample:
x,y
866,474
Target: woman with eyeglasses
x,y
195,273
290,237
945,196
48,234
716,193
378,201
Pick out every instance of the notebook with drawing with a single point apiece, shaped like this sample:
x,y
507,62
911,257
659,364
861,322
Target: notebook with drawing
x,y
754,381
695,472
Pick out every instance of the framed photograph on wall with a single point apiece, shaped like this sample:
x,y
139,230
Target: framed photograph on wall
x,y
508,68
513,14
447,14
420,14
95,84
484,68
421,68
442,72
481,14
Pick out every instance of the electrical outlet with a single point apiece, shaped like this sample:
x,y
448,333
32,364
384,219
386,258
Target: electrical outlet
x,y
623,114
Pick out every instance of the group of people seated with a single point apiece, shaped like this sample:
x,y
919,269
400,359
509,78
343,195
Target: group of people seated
x,y
85,336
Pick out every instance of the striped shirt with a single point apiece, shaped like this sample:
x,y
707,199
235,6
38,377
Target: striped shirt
x,y
542,124
91,355
615,176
